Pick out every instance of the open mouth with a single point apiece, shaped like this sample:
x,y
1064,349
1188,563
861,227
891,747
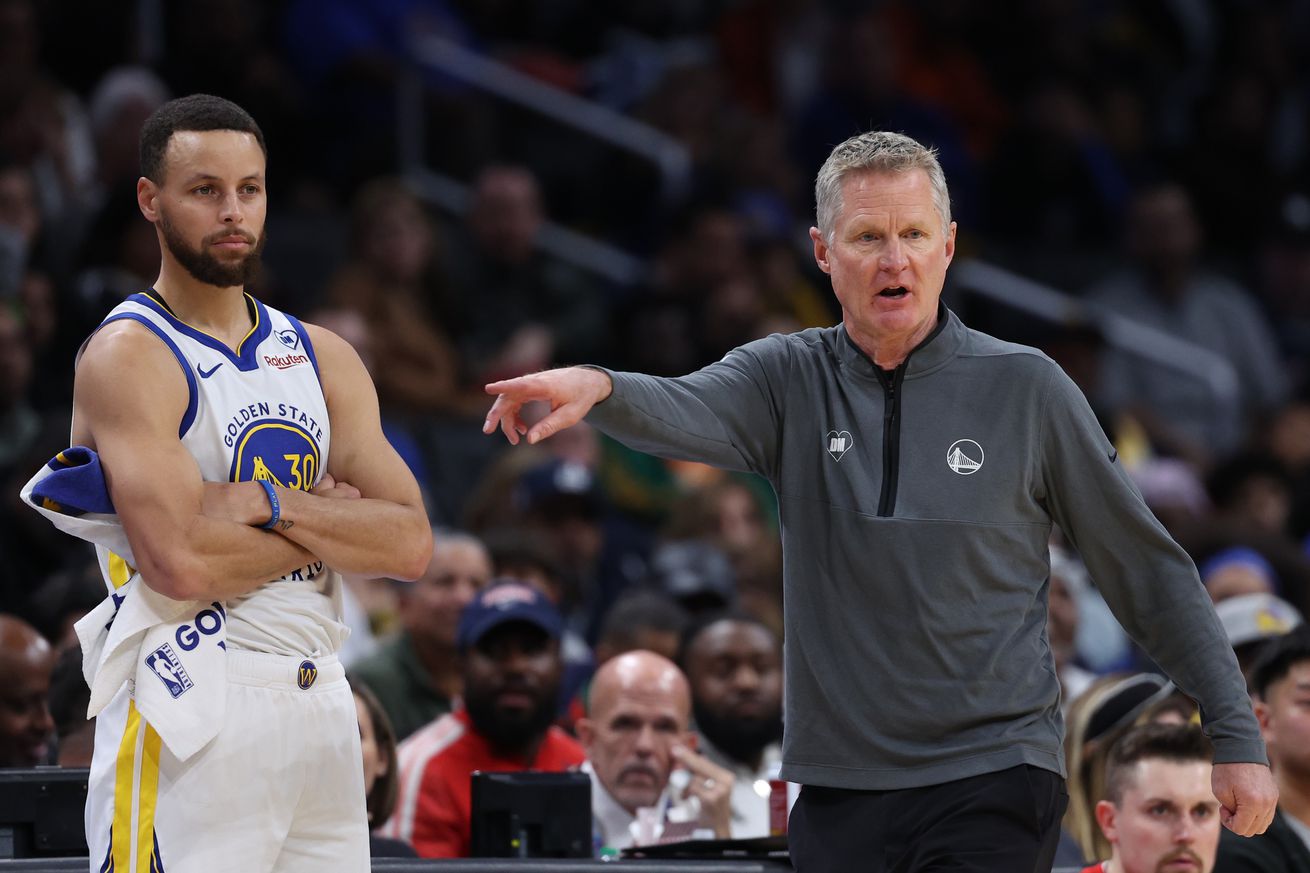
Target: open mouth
x,y
893,293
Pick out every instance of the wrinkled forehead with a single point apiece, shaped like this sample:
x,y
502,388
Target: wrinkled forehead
x,y
868,192
646,706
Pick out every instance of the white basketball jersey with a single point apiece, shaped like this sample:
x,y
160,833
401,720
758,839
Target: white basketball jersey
x,y
256,413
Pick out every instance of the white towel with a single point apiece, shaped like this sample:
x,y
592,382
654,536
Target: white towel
x,y
170,652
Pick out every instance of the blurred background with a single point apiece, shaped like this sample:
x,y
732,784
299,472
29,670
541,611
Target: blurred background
x,y
470,190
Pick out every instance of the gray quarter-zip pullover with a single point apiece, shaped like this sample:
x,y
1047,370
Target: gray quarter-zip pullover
x,y
916,509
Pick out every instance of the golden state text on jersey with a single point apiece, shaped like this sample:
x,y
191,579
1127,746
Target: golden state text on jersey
x,y
256,412
276,442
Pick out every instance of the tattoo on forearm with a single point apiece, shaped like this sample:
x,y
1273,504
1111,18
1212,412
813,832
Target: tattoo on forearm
x,y
284,524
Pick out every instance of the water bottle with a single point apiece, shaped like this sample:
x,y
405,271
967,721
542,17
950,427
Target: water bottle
x,y
777,802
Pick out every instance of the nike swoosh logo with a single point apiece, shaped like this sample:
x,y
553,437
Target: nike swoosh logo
x,y
203,374
1114,455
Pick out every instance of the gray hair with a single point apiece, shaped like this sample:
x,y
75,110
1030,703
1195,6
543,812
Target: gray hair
x,y
878,151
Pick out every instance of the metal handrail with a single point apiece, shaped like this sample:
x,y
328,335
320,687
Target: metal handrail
x,y
1149,343
980,277
579,250
600,122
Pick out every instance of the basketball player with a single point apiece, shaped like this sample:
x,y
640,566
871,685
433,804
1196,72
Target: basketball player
x,y
244,456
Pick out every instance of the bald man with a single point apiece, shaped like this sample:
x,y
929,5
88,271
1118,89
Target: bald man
x,y
636,736
26,727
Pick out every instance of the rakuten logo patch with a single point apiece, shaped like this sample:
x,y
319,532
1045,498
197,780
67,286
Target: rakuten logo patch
x,y
282,362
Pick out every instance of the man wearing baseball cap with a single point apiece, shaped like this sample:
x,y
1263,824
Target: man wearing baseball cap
x,y
1251,622
508,641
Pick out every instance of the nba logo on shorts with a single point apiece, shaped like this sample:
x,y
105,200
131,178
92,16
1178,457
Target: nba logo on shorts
x,y
306,675
164,663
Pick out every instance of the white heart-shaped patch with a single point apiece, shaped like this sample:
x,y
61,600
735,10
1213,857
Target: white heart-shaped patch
x,y
839,443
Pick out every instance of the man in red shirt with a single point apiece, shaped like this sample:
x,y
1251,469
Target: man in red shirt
x,y
508,640
1160,814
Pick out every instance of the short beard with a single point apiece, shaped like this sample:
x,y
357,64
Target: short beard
x,y
513,733
206,268
741,739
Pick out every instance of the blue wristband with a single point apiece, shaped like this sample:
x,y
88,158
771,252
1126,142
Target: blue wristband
x,y
272,502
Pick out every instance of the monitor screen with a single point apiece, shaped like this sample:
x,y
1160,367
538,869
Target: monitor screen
x,y
531,815
41,812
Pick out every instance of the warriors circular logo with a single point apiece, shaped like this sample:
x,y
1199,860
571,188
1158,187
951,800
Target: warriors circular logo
x,y
306,674
277,451
964,457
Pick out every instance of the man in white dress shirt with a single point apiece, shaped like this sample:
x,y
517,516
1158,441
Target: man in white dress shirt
x,y
636,736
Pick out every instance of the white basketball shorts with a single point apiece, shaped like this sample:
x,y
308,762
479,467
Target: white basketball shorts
x,y
279,790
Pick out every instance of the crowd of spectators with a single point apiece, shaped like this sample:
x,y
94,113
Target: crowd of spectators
x,y
1149,158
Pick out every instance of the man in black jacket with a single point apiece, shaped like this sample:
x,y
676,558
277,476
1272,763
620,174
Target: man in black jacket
x,y
1281,685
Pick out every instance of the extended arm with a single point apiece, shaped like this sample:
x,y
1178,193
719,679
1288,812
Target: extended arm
x,y
726,414
571,393
129,398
